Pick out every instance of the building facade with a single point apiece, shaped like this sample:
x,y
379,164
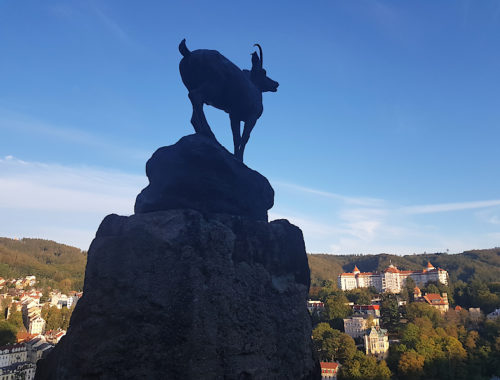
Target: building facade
x,y
391,279
377,343
373,310
329,370
357,326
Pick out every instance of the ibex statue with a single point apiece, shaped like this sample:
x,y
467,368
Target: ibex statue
x,y
214,80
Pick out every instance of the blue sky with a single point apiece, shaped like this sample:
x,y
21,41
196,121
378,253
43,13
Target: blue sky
x,y
383,135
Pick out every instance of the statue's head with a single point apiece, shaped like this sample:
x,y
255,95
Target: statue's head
x,y
259,76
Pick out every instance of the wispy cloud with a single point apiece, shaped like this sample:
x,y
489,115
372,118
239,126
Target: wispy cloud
x,y
61,202
362,201
31,126
346,224
111,25
52,187
446,207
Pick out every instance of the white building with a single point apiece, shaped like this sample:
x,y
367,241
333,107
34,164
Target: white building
x,y
36,325
494,314
392,279
377,343
356,326
24,371
13,353
373,310
315,306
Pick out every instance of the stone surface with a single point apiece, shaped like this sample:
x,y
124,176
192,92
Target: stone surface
x,y
199,174
179,295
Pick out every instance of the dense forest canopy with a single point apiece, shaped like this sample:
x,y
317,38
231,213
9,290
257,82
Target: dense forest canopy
x,y
54,264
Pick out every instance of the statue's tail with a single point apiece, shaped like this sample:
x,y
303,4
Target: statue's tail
x,y
183,49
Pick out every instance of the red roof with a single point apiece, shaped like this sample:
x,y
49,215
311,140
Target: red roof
x,y
429,265
367,307
434,299
329,365
392,270
356,268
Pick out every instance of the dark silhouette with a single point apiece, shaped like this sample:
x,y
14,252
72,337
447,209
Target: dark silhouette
x,y
214,80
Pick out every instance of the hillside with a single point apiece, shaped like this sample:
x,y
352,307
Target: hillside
x,y
466,266
53,264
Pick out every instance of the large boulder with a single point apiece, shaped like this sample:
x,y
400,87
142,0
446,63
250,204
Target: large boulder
x,y
199,173
179,295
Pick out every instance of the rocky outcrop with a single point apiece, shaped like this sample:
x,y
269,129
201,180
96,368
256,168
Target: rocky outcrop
x,y
199,173
174,295
196,285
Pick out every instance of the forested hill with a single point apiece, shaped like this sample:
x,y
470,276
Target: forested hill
x,y
481,264
54,264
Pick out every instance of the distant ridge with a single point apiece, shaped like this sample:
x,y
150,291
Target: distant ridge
x,y
54,264
481,264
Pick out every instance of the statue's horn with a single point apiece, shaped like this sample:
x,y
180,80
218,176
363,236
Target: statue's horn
x,y
261,58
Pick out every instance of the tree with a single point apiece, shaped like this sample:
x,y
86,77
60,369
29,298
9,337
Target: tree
x,y
383,371
337,308
8,333
389,311
16,319
411,365
408,289
332,344
411,335
420,309
363,367
54,319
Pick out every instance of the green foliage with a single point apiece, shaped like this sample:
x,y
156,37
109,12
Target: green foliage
x,y
8,333
333,345
336,309
56,318
477,293
389,312
54,264
364,367
16,319
419,310
360,296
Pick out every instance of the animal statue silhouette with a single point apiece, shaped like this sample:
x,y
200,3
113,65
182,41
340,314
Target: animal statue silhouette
x,y
214,80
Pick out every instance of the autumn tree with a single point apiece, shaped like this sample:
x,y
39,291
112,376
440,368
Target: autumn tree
x,y
411,366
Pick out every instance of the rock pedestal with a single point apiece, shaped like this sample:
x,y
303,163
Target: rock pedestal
x,y
200,174
189,292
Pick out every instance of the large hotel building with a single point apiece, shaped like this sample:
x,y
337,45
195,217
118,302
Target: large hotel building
x,y
392,279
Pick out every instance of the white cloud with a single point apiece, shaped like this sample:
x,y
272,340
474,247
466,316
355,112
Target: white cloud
x,y
32,185
445,207
30,126
361,201
370,225
67,204
59,202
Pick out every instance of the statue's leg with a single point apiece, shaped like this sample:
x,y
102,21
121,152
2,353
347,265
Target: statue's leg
x,y
244,138
235,128
198,120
